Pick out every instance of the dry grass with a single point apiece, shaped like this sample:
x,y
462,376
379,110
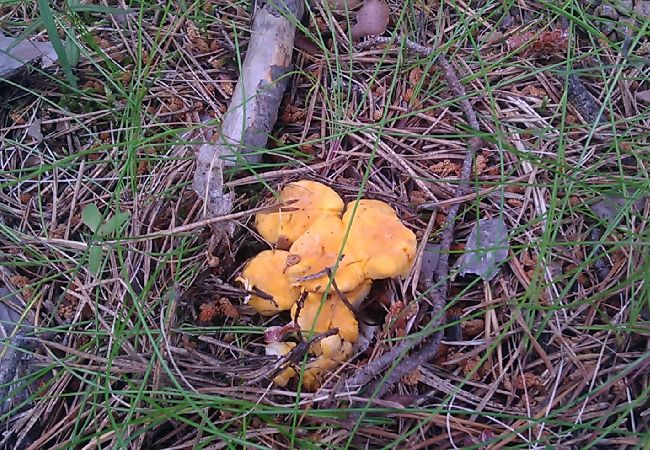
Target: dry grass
x,y
553,351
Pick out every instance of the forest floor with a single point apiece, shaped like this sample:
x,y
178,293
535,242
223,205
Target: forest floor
x,y
102,243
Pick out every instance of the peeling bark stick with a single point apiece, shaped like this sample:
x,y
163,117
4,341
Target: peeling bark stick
x,y
438,293
253,108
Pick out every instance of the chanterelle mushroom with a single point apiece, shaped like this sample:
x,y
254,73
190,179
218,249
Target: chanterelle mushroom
x,y
265,272
358,294
312,316
319,316
281,349
312,201
335,351
378,239
378,246
317,250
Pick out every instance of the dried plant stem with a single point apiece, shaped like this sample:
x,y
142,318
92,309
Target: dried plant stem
x,y
438,294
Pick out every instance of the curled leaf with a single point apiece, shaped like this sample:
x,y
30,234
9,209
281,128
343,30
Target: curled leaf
x,y
372,19
610,206
277,333
486,249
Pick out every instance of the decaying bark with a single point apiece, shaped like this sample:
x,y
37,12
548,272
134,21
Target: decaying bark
x,y
254,106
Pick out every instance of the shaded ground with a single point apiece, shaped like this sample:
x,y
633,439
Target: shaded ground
x,y
552,351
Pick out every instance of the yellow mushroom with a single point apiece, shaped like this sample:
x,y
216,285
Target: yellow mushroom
x,y
314,316
358,294
316,250
335,351
378,246
379,241
319,316
281,349
264,272
312,200
344,320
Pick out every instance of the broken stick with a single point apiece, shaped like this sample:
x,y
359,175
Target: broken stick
x,y
395,360
254,105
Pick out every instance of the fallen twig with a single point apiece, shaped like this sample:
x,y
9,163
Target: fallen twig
x,y
253,107
438,293
211,221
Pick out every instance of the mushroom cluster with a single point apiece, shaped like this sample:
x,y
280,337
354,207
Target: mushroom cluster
x,y
334,253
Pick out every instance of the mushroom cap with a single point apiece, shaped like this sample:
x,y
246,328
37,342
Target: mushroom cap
x,y
281,349
333,313
344,320
335,352
378,239
317,249
336,348
315,315
264,273
358,294
313,200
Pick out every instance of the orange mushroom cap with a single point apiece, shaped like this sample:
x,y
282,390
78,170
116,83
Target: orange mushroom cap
x,y
315,315
262,273
378,239
335,351
318,249
311,201
281,349
318,316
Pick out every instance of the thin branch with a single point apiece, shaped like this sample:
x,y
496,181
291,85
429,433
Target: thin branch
x,y
438,293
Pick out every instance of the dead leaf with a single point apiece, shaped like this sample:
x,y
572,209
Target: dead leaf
x,y
445,168
292,114
608,208
277,333
372,19
486,249
472,366
430,258
413,378
34,131
418,197
527,380
208,311
15,349
643,96
491,37
227,309
16,54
